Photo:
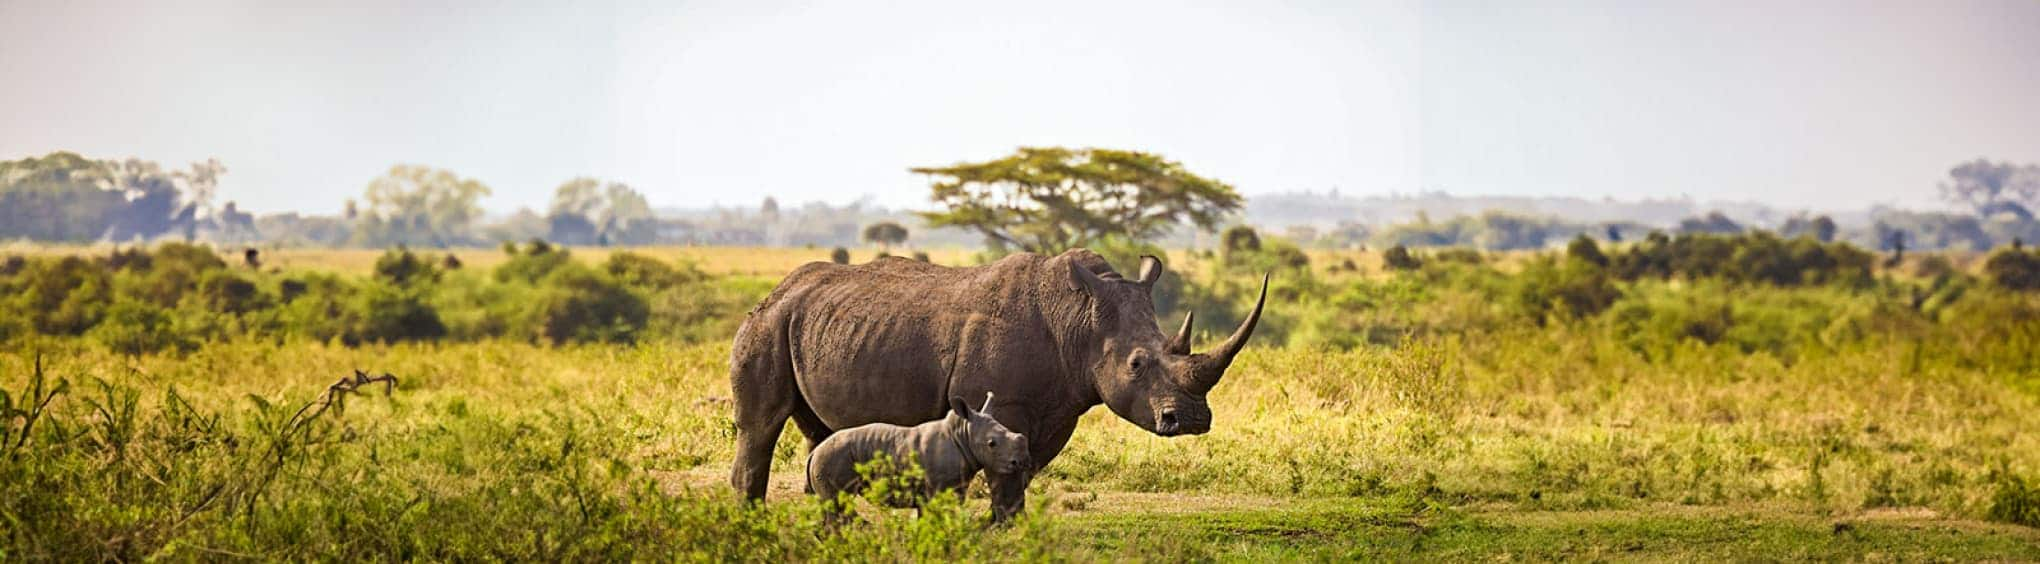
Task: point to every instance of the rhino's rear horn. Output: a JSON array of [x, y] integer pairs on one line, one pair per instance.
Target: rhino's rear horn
[[1207, 368], [1181, 344]]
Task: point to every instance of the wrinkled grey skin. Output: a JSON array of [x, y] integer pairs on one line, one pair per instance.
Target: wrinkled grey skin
[[950, 450], [838, 346]]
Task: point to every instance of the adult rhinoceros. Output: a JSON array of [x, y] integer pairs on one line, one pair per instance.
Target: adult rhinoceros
[[836, 346]]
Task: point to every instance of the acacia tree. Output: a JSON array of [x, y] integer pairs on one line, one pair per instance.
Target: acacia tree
[[1047, 199], [885, 234]]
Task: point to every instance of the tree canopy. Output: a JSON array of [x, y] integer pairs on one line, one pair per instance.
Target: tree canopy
[[419, 206], [586, 211], [1993, 187], [885, 233], [66, 197], [1047, 199]]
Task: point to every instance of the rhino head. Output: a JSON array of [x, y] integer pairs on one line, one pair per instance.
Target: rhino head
[[1145, 377]]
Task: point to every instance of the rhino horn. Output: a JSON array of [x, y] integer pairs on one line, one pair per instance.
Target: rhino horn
[[1181, 344], [1207, 368]]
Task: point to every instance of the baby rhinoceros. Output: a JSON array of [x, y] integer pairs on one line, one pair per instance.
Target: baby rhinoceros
[[950, 451]]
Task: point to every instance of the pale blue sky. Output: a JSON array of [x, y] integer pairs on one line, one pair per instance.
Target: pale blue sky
[[1827, 105]]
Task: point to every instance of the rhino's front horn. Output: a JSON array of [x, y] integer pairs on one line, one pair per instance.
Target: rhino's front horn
[[1207, 368]]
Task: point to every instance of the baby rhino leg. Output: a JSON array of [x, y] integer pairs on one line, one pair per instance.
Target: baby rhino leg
[[1009, 495]]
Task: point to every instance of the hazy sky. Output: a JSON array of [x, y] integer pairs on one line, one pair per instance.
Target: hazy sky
[[1803, 104]]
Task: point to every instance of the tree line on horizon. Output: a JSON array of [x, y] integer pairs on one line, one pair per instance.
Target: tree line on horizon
[[1039, 199]]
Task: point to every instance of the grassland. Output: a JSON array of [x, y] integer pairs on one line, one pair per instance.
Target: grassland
[[1865, 437]]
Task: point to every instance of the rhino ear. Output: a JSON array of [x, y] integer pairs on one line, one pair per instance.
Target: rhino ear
[[1083, 279], [1150, 270], [957, 405]]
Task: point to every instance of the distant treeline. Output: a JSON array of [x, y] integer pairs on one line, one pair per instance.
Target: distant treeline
[[64, 197], [1502, 231], [69, 198]]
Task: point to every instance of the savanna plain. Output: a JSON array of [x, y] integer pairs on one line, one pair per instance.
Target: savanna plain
[[1699, 398]]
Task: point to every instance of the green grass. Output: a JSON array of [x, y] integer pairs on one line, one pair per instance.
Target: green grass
[[1531, 446], [1425, 415], [1389, 529]]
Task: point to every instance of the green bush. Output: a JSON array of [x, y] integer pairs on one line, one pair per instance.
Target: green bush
[[322, 309], [1459, 255], [63, 296], [646, 272], [402, 267], [839, 255], [2014, 269], [1567, 289], [531, 264], [226, 292], [1238, 239], [136, 328], [579, 305], [1755, 257], [1399, 258], [386, 313], [197, 258], [1583, 248]]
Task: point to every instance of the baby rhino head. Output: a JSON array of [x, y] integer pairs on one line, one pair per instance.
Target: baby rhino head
[[997, 449]]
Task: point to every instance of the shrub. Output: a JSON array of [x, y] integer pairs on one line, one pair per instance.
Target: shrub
[[62, 296], [2014, 269], [383, 312], [1584, 249], [134, 327], [402, 267], [320, 307], [839, 255], [921, 256], [1239, 238], [1756, 257], [1275, 254], [1569, 289], [195, 257], [533, 263], [133, 258], [1399, 258], [577, 304], [226, 292], [1459, 255], [646, 272]]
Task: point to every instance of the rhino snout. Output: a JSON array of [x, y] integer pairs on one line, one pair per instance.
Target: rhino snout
[[1171, 422]]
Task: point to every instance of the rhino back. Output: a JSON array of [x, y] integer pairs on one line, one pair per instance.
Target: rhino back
[[887, 341]]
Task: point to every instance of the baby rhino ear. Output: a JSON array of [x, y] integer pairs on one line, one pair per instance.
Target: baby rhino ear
[[956, 404]]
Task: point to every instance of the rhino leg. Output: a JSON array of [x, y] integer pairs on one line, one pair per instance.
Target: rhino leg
[[810, 426], [762, 386], [1009, 496]]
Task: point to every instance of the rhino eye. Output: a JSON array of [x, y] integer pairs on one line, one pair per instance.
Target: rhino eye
[[992, 443]]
